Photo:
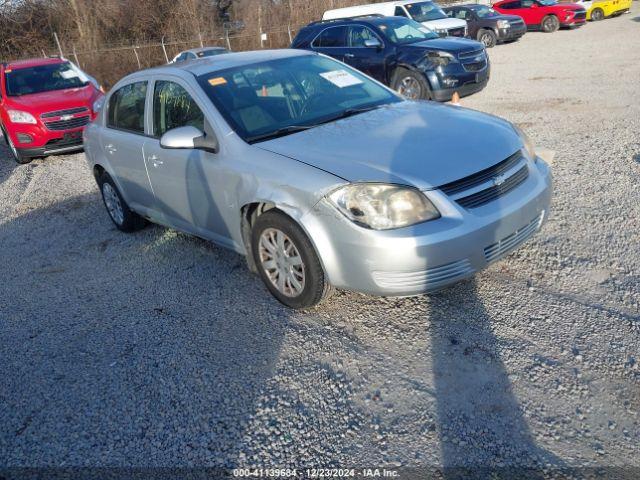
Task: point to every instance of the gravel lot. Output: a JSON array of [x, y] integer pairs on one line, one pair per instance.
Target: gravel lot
[[157, 349]]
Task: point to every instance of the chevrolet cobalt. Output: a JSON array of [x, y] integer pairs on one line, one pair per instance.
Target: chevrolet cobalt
[[321, 176]]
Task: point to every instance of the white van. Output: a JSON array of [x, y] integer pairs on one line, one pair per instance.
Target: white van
[[426, 12]]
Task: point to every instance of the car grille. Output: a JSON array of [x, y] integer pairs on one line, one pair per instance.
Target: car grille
[[474, 60], [456, 32], [60, 113], [425, 279], [507, 244], [516, 23], [76, 122], [465, 193], [580, 15]]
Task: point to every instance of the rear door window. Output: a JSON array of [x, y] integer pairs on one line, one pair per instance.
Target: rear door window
[[126, 108], [510, 5], [333, 37]]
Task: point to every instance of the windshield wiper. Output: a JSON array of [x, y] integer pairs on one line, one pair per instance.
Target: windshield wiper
[[281, 132]]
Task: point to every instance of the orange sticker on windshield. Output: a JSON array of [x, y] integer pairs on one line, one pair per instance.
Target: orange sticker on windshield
[[217, 81]]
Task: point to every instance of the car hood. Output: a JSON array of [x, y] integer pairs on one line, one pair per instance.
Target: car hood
[[448, 44], [568, 6], [445, 23], [511, 18], [422, 144], [55, 100]]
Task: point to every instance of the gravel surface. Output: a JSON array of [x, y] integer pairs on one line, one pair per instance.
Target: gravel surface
[[158, 349]]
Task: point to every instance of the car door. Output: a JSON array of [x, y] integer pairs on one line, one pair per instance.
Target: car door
[[122, 141], [369, 60], [181, 179], [332, 41], [533, 11]]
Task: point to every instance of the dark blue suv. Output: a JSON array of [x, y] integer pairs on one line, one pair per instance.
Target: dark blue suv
[[402, 54]]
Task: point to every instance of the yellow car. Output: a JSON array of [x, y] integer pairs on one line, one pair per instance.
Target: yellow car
[[599, 9]]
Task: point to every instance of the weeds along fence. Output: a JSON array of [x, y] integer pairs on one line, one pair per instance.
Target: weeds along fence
[[264, 28]]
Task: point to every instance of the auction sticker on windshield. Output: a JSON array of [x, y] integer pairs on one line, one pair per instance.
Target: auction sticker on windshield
[[341, 78]]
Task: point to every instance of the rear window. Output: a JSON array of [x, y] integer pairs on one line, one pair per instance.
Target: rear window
[[331, 37], [44, 78], [126, 108]]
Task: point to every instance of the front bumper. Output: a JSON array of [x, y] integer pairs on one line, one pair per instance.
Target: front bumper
[[511, 33], [468, 82], [431, 255], [39, 141]]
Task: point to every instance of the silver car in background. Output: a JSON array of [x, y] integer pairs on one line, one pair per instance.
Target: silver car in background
[[321, 176]]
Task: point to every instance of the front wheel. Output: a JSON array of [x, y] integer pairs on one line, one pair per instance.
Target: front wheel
[[287, 261], [411, 85], [597, 14], [17, 156], [488, 38], [550, 24]]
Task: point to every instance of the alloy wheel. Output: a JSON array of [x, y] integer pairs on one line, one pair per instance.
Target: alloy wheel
[[486, 39], [13, 148], [113, 203], [281, 261], [410, 88]]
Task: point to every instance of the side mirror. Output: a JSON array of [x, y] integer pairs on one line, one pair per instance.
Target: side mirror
[[372, 43], [189, 138]]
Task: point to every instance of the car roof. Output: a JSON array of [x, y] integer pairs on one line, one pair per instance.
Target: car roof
[[33, 62], [206, 65]]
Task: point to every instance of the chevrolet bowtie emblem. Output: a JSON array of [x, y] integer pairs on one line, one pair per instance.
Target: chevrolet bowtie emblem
[[499, 180], [66, 117]]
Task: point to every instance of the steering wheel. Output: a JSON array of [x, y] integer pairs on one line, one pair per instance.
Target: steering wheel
[[311, 103]]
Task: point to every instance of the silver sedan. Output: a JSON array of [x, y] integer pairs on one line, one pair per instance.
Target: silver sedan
[[321, 176]]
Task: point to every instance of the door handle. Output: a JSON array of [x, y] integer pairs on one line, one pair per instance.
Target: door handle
[[155, 161], [110, 148], [349, 55]]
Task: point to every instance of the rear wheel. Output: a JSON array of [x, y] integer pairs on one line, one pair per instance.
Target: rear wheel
[[411, 85], [287, 261], [121, 215], [17, 156], [550, 24], [488, 38], [597, 14]]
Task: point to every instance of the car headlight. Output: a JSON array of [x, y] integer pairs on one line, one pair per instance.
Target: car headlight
[[503, 24], [383, 207], [98, 104], [529, 147], [18, 116], [438, 59]]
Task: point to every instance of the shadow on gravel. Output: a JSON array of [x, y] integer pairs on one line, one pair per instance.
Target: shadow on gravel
[[482, 426], [149, 349], [635, 19]]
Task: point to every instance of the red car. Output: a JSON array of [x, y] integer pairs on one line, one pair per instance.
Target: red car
[[545, 15], [44, 105]]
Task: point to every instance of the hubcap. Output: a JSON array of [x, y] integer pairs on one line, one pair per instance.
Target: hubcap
[[282, 262], [486, 39], [112, 201], [409, 88]]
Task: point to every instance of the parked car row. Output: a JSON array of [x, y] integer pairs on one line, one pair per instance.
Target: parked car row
[[269, 153]]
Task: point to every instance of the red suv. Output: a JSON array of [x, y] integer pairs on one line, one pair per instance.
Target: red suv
[[44, 106], [545, 15]]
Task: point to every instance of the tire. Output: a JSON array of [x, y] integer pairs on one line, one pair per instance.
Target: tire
[[121, 215], [17, 156], [597, 14], [411, 85], [268, 248], [550, 24], [488, 38]]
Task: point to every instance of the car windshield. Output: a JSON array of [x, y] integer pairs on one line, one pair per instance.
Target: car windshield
[[425, 11], [211, 53], [44, 78], [485, 12], [403, 30], [278, 97]]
